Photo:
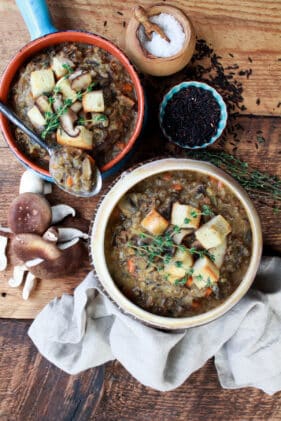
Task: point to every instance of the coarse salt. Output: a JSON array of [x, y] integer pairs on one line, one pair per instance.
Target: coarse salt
[[158, 46]]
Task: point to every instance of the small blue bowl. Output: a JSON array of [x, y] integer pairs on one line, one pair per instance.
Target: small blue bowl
[[216, 95]]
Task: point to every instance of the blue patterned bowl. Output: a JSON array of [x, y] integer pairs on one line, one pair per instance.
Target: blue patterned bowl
[[216, 95]]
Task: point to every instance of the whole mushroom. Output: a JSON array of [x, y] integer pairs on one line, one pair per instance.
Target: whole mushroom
[[29, 213]]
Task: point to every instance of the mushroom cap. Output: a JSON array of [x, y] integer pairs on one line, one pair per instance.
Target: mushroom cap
[[25, 247], [29, 213], [70, 260]]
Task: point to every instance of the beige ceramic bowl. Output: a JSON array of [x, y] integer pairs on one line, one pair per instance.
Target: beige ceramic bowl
[[106, 206], [155, 65]]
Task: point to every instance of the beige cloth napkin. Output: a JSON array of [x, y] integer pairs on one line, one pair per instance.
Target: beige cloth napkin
[[76, 333]]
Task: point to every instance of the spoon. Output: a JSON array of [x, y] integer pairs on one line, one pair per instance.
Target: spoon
[[60, 156]]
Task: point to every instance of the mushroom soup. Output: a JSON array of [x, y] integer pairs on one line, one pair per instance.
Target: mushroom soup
[[178, 243], [76, 95]]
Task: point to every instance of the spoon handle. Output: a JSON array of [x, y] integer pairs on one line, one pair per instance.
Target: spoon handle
[[17, 122]]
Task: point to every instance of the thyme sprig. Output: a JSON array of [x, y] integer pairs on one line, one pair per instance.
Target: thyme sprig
[[260, 185], [53, 118], [159, 249]]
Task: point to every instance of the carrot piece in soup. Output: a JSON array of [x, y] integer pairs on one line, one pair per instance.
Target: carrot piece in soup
[[177, 187], [208, 292], [131, 266], [189, 282]]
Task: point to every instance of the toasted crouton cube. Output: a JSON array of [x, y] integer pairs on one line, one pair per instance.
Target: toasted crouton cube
[[154, 223], [213, 232], [58, 65], [185, 216], [205, 273], [42, 81], [93, 102], [65, 88], [179, 265], [218, 253], [36, 118], [84, 140]]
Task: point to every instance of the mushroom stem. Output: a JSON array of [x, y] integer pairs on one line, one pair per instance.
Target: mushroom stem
[[29, 285], [67, 234], [59, 212], [32, 183], [3, 257], [33, 262], [6, 230], [18, 275], [64, 246]]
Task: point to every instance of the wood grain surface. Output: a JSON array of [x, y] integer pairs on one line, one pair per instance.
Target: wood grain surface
[[247, 33]]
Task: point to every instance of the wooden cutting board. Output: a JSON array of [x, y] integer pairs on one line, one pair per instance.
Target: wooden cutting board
[[240, 32]]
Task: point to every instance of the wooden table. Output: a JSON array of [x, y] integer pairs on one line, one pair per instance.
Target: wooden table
[[243, 33]]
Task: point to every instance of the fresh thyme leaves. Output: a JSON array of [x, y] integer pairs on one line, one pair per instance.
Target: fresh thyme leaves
[[184, 280], [158, 250], [206, 211], [261, 186], [69, 70], [53, 119]]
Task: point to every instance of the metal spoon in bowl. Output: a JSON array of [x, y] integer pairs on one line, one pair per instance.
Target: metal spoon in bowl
[[61, 157]]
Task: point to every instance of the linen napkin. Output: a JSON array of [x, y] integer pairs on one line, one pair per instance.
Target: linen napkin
[[87, 330]]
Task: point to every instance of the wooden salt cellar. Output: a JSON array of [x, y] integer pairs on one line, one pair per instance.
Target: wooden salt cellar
[[159, 66]]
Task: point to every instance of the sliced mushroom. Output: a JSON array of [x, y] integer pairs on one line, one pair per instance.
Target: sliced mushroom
[[26, 247], [81, 81], [128, 204], [179, 236], [70, 260], [3, 257], [33, 262], [18, 276], [29, 212], [29, 285], [68, 244], [59, 212], [32, 183], [52, 234], [76, 106], [67, 119], [67, 234], [43, 104]]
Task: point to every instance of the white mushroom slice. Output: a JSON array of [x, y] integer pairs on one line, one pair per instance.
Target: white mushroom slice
[[33, 262], [59, 212], [32, 183], [5, 229], [81, 82], [3, 257], [67, 234], [179, 236], [64, 246], [75, 74], [76, 106], [29, 285], [18, 275], [51, 234], [43, 104]]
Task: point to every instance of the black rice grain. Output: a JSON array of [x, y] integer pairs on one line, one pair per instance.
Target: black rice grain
[[191, 117]]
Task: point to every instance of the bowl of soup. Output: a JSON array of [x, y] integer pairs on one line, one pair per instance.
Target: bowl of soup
[[175, 243], [74, 89]]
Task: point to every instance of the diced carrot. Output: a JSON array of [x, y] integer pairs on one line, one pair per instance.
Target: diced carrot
[[69, 181], [220, 184], [177, 187], [208, 292], [167, 176], [189, 282], [131, 266], [195, 304], [127, 87], [213, 179], [120, 145]]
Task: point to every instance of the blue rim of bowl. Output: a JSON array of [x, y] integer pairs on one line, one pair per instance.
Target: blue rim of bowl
[[216, 95]]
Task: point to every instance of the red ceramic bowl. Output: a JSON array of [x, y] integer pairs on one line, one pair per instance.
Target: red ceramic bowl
[[49, 40]]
